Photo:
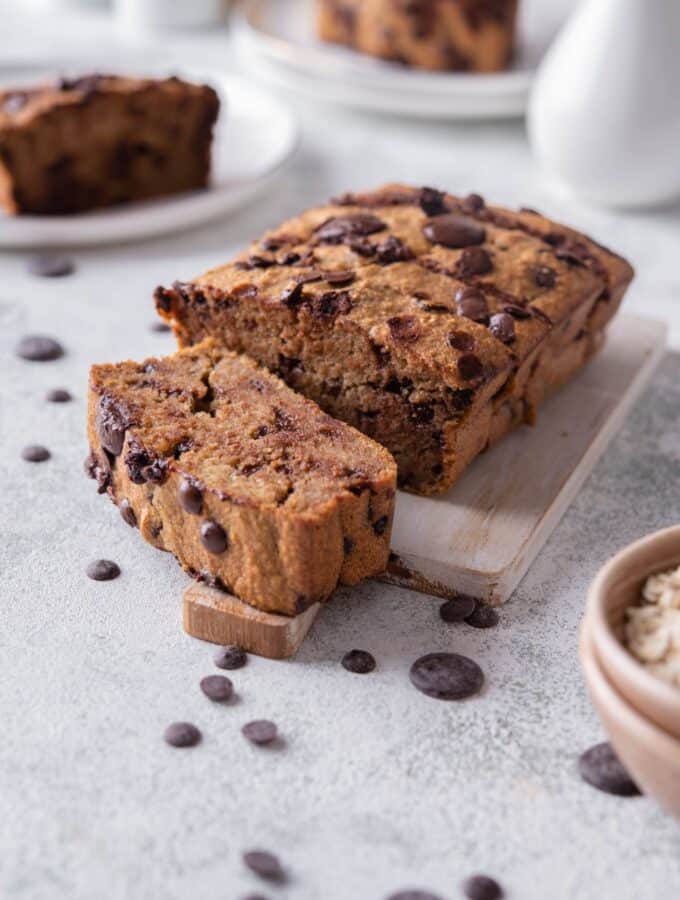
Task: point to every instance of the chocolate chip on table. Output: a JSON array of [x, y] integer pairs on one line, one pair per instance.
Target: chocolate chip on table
[[230, 657], [472, 304], [160, 327], [127, 513], [601, 768], [190, 497], [481, 887], [102, 570], [260, 731], [457, 608], [39, 348], [502, 326], [182, 734], [58, 395], [446, 676], [414, 895], [213, 537], [452, 230], [469, 366], [361, 662], [217, 687], [50, 266], [484, 616], [264, 865], [35, 453]]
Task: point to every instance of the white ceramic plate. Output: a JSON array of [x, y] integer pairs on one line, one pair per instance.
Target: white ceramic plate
[[255, 136], [277, 39]]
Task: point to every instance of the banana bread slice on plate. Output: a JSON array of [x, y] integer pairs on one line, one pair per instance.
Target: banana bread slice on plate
[[252, 487], [432, 323]]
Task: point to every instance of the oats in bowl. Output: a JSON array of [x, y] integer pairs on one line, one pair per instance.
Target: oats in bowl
[[652, 627]]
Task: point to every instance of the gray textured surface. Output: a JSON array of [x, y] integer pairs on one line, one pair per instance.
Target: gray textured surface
[[377, 787]]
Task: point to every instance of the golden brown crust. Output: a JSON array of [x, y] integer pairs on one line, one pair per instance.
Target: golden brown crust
[[251, 486], [432, 323], [453, 35], [100, 140]]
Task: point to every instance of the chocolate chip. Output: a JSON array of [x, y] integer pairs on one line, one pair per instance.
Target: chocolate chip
[[127, 513], [49, 266], [213, 537], [260, 731], [544, 276], [292, 295], [472, 304], [58, 395], [39, 348], [190, 497], [483, 617], [343, 277], [473, 261], [347, 545], [380, 525], [160, 327], [432, 201], [601, 768], [35, 453], [502, 326], [405, 329], [102, 570], [414, 895], [110, 425], [446, 676], [452, 230], [331, 303], [474, 202], [181, 734], [460, 340], [481, 887], [516, 311], [217, 687], [469, 366], [264, 864], [457, 608], [230, 657], [358, 661], [335, 230], [393, 250]]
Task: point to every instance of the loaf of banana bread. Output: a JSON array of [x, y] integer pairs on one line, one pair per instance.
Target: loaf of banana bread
[[432, 323], [100, 140], [252, 487], [455, 35]]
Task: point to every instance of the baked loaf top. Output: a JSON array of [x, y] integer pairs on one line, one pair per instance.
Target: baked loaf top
[[461, 290]]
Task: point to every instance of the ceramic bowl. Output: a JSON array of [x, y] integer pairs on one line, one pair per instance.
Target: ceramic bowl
[[651, 755], [616, 586]]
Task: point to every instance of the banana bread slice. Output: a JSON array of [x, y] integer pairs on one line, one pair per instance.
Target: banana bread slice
[[100, 140], [251, 486], [454, 35], [432, 323]]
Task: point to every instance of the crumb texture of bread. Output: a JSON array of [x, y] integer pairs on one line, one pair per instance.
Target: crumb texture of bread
[[433, 323], [251, 486], [448, 35], [102, 140]]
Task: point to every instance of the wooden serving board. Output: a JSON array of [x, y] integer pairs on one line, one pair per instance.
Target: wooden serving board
[[482, 536]]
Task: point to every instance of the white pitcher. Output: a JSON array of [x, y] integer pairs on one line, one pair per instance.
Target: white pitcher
[[604, 114]]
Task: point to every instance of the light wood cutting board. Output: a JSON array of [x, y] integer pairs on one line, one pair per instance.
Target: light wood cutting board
[[482, 536]]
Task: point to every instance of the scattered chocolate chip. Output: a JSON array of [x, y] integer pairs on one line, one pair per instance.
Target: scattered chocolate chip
[[544, 276], [446, 676], [39, 348], [472, 304], [49, 266], [460, 340], [452, 230], [405, 329], [344, 277], [516, 311], [483, 617], [457, 608], [502, 326], [35, 453], [414, 895], [601, 768], [473, 261], [230, 657], [190, 497], [335, 230], [358, 661], [127, 512], [160, 327], [432, 201], [213, 537], [260, 731], [469, 366], [380, 525], [481, 887], [58, 395], [474, 202], [181, 734], [264, 864], [102, 570], [217, 687]]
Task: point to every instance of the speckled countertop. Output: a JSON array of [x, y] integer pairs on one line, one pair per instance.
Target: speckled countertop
[[377, 787]]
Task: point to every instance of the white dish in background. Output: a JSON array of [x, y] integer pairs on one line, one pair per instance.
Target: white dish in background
[[254, 137], [277, 40]]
